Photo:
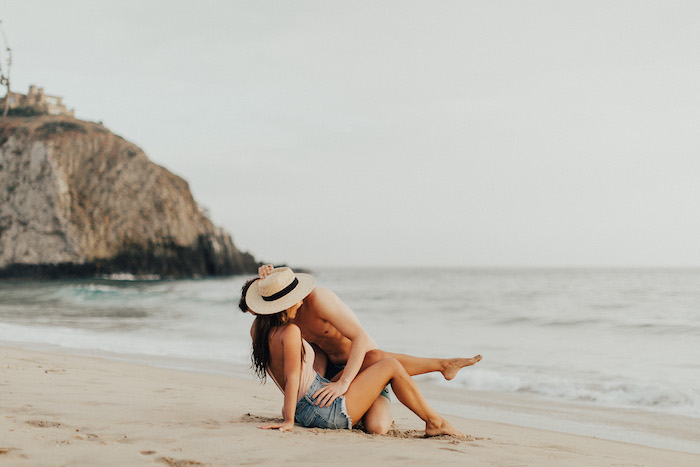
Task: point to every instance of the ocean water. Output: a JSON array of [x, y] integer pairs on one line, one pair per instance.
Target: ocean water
[[625, 339]]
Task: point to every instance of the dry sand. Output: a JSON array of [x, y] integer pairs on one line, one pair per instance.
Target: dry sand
[[67, 410]]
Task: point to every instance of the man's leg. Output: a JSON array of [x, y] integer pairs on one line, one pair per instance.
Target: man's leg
[[378, 419], [419, 365]]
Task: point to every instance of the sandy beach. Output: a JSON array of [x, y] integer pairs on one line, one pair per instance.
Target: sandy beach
[[70, 410]]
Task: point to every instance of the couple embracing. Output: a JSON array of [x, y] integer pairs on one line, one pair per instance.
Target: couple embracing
[[329, 369]]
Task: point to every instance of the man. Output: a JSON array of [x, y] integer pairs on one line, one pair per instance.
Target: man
[[329, 324]]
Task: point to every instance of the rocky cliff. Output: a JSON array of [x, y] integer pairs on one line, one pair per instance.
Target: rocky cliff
[[77, 200]]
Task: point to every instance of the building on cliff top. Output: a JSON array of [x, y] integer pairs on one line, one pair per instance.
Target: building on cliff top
[[37, 101]]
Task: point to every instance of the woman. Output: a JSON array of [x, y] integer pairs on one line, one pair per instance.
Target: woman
[[280, 351]]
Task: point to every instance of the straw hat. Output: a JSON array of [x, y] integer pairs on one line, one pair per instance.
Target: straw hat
[[278, 291]]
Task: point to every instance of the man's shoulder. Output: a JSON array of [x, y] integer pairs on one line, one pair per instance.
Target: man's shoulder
[[320, 300], [318, 294], [324, 304]]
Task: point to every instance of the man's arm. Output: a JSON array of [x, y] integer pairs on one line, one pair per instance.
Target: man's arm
[[330, 308]]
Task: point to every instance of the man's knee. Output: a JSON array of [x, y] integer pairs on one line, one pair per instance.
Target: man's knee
[[373, 356]]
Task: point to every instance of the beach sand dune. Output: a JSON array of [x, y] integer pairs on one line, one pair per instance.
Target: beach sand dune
[[67, 410]]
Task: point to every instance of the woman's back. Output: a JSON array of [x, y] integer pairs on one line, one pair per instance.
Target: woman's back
[[290, 334]]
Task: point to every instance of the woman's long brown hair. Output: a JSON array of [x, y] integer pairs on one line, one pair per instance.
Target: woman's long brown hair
[[262, 328]]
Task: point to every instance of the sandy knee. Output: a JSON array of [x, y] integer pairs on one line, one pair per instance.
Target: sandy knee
[[378, 419]]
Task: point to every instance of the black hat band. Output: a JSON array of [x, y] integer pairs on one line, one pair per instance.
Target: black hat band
[[281, 293]]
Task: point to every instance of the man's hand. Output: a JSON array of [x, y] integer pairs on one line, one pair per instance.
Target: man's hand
[[284, 426], [265, 270], [330, 392]]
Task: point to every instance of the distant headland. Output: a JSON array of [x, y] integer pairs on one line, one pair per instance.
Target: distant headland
[[80, 201]]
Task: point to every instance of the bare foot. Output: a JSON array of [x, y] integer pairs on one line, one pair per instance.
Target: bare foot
[[453, 365], [441, 427]]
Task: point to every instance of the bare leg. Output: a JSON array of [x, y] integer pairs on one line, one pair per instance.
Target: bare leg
[[369, 383], [378, 418], [419, 365]]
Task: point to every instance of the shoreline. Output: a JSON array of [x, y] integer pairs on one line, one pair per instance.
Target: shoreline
[[627, 425], [78, 410]]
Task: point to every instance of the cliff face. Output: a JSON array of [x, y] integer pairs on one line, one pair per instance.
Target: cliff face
[[77, 200]]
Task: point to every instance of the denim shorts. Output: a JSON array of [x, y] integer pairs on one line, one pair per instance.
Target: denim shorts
[[335, 416]]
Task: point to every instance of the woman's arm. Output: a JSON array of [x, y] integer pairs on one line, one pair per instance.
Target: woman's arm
[[291, 343]]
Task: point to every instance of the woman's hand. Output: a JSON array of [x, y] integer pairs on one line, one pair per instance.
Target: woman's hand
[[284, 426]]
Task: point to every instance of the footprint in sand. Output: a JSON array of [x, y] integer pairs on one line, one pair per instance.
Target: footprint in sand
[[210, 424], [249, 417], [179, 462], [89, 437], [43, 424], [10, 453]]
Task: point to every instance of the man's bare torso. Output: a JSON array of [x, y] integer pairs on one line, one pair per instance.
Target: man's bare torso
[[322, 333]]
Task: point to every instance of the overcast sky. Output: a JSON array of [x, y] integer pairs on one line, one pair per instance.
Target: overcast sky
[[457, 133]]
